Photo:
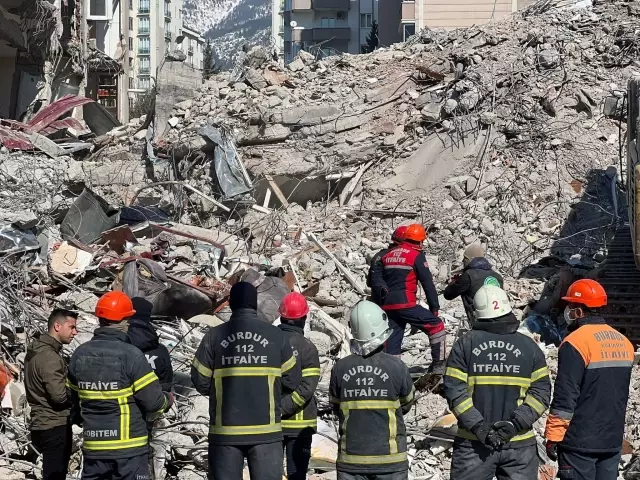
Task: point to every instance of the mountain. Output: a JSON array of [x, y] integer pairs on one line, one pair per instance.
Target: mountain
[[230, 24]]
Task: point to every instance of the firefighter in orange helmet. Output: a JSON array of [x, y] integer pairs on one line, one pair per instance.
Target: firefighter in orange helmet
[[118, 392], [375, 269], [586, 421]]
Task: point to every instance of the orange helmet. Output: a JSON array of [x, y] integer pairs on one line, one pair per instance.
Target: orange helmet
[[415, 232], [586, 292], [399, 233], [114, 306]]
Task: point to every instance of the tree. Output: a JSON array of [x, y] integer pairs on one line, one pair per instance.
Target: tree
[[208, 64], [372, 39]]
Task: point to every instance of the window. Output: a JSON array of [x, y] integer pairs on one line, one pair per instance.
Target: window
[[144, 6], [167, 9], [130, 24], [366, 20], [130, 4], [99, 10], [144, 83], [130, 44], [130, 63], [144, 45], [144, 25], [408, 29], [328, 22]]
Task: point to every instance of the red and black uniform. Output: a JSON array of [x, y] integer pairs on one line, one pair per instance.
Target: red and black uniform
[[403, 266], [587, 415]]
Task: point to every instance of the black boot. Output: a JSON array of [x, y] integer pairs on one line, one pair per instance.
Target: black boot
[[437, 367]]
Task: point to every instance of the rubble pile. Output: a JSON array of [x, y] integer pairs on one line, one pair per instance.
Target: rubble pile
[[506, 134]]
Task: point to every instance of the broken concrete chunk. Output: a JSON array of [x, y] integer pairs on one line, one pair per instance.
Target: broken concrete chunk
[[457, 192], [184, 105], [296, 65], [255, 79], [549, 58], [173, 122], [431, 112]]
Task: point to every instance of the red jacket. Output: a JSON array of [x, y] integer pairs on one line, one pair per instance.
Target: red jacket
[[397, 283]]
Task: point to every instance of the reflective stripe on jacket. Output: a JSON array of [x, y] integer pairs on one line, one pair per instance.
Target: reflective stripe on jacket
[[299, 410], [370, 395], [242, 366], [116, 389], [591, 389], [494, 373]]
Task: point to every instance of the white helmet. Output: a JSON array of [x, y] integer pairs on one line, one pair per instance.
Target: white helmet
[[490, 302], [370, 327]]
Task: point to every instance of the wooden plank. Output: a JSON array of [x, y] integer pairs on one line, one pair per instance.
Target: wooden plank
[[345, 271], [346, 193], [277, 191], [267, 197]]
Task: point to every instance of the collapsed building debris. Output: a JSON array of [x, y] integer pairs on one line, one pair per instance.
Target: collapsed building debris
[[292, 178]]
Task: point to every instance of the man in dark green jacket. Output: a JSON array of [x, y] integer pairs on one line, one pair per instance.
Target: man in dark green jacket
[[45, 376]]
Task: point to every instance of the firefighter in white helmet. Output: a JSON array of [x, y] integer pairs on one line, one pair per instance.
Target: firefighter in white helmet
[[373, 390], [497, 385]]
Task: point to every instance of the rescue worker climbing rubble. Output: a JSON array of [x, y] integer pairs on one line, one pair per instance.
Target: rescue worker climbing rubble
[[242, 366], [403, 266], [117, 392], [476, 272], [586, 421], [370, 391], [375, 268], [497, 385], [299, 411]]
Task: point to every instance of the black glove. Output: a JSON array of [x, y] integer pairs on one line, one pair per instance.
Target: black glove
[[552, 450], [501, 433], [481, 431]]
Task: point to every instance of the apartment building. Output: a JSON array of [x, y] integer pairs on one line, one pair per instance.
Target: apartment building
[[322, 27], [193, 47], [451, 14], [153, 27]]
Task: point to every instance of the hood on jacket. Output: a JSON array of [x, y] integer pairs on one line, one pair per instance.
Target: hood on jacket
[[39, 345], [141, 333], [243, 295], [479, 263], [503, 325]]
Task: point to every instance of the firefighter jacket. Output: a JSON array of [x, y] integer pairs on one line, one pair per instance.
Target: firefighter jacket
[[494, 373], [116, 389], [592, 388], [44, 381], [403, 266], [375, 271], [475, 275], [370, 395], [298, 406], [243, 366]]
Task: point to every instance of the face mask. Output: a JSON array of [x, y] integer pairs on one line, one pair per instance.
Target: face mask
[[567, 315]]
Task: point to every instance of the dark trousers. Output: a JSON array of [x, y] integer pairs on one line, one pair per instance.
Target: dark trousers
[[226, 462], [404, 475], [587, 466], [298, 454], [423, 320], [479, 462], [55, 446], [133, 468]]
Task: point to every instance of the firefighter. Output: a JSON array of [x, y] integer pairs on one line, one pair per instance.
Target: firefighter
[[299, 411], [242, 366], [476, 272], [497, 385], [375, 269], [373, 390], [403, 266], [117, 392], [586, 421]]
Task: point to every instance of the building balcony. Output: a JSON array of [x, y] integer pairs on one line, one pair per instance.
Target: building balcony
[[143, 11], [167, 35], [281, 30], [144, 51], [144, 70], [167, 15], [339, 5], [143, 31], [320, 34], [190, 49]]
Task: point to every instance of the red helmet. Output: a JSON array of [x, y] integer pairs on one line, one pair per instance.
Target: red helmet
[[415, 232], [114, 306], [294, 305], [399, 233], [586, 292]]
